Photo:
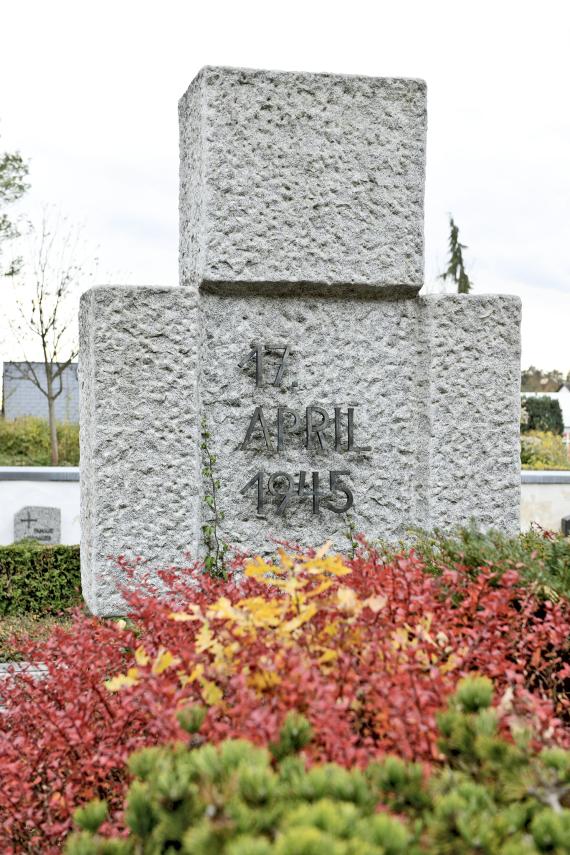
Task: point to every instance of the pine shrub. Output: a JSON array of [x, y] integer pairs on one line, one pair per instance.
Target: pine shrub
[[494, 793]]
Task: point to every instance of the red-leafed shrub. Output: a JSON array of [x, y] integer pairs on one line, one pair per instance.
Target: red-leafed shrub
[[368, 650]]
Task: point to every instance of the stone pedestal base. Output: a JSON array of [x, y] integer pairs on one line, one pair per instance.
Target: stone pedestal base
[[414, 401]]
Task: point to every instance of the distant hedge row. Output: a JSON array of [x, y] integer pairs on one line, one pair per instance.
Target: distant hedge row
[[25, 442], [542, 413], [38, 579]]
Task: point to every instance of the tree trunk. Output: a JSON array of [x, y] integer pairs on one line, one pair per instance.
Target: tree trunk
[[52, 423]]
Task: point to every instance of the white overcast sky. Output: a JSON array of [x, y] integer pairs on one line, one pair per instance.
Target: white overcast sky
[[89, 90]]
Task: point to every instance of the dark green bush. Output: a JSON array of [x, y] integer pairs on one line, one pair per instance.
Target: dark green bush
[[38, 579], [493, 795], [25, 442], [544, 414]]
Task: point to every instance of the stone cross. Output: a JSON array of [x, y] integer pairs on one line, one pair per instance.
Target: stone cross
[[296, 351]]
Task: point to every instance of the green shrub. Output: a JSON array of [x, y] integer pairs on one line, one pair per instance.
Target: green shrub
[[25, 442], [541, 561], [492, 794], [544, 414], [38, 579], [541, 450]]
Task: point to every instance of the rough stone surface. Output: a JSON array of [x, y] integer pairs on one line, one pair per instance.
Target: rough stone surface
[[39, 522], [308, 178], [139, 433], [301, 223], [434, 385], [433, 381]]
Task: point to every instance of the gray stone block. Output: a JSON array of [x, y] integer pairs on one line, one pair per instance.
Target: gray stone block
[[302, 178], [140, 474], [328, 401], [433, 384], [39, 522]]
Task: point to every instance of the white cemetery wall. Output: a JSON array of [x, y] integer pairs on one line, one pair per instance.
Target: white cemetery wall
[[545, 499], [34, 488]]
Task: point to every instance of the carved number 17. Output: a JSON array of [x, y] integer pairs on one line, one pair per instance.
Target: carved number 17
[[258, 352]]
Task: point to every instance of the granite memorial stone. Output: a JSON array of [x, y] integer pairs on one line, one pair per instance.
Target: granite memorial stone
[[331, 394], [40, 523]]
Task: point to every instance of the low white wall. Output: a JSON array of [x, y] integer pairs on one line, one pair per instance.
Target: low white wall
[[545, 499], [19, 488]]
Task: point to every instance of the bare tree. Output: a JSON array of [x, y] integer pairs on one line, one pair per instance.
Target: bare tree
[[46, 296]]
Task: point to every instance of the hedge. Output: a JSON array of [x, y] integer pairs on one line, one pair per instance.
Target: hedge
[[38, 579], [544, 414]]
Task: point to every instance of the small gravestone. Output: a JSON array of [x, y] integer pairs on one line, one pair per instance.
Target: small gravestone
[[298, 353], [39, 523]]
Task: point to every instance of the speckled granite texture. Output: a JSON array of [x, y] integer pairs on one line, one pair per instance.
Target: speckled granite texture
[[433, 383], [293, 177], [301, 224], [140, 470]]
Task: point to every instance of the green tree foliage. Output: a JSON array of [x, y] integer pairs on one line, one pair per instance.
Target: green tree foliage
[[493, 794], [535, 380], [456, 267], [544, 414], [13, 185], [543, 450]]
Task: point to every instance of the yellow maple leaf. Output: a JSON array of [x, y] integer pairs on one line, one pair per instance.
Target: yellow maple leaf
[[141, 656], [262, 680], [263, 612], [195, 674], [211, 693], [328, 656], [121, 681], [347, 600], [258, 568], [164, 659], [453, 662], [324, 586], [333, 565], [184, 616], [299, 620], [376, 604], [207, 641], [223, 609]]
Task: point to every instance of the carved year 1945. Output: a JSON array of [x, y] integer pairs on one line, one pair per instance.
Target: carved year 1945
[[283, 487]]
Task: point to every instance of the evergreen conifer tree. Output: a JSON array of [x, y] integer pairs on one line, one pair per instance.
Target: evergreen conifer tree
[[456, 268]]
